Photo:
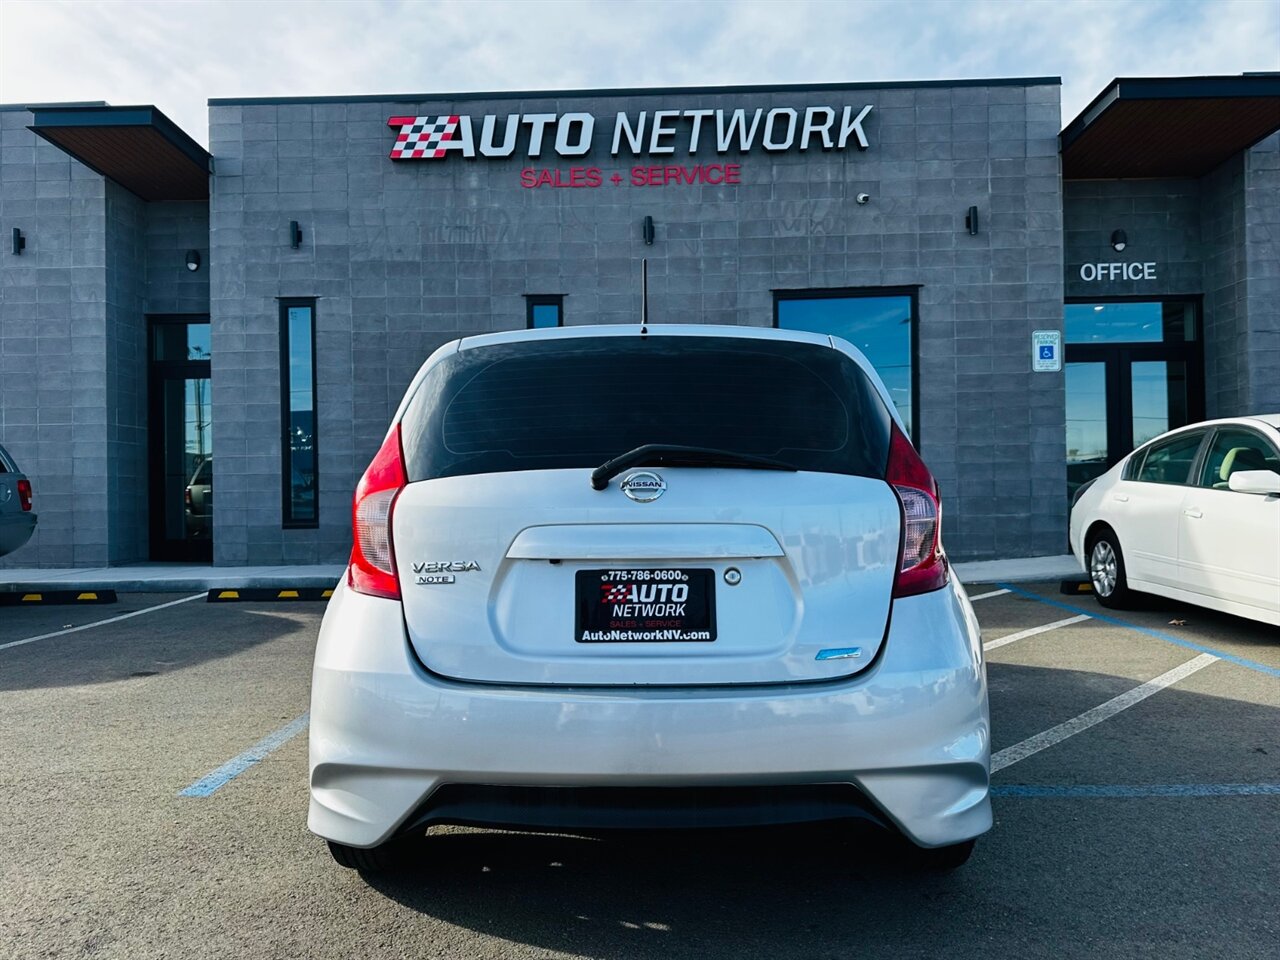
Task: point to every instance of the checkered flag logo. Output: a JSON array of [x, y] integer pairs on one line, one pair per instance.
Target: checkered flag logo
[[615, 593], [420, 138]]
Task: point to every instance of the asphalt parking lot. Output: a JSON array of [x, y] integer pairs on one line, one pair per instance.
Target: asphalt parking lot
[[153, 777]]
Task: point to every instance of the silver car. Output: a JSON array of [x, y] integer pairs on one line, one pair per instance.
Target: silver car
[[198, 498], [17, 519], [688, 578]]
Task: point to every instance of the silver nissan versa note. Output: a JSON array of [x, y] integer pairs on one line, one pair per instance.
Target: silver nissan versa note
[[683, 577]]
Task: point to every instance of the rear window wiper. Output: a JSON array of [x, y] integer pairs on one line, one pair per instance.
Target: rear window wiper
[[673, 455]]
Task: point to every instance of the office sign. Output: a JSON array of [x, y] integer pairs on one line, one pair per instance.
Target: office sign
[[1101, 272]]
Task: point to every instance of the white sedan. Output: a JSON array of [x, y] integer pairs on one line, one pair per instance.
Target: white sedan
[[1192, 515]]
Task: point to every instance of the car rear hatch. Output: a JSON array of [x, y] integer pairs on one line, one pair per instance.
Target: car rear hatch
[[514, 569]]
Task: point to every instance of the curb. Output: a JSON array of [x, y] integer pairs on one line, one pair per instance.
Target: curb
[[33, 598], [258, 594], [167, 585]]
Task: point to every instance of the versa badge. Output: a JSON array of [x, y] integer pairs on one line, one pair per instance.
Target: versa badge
[[442, 571]]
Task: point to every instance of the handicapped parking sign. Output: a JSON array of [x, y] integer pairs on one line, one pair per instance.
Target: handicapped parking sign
[[1046, 351]]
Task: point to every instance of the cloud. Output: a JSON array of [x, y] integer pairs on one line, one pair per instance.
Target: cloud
[[178, 54]]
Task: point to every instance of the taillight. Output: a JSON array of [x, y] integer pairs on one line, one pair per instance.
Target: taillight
[[922, 566], [373, 563], [24, 493]]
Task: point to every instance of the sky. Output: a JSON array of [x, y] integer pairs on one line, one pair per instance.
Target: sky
[[177, 54]]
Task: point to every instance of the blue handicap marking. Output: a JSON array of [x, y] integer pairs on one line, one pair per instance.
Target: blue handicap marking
[[1046, 351]]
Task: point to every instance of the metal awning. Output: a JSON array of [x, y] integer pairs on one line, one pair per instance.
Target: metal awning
[[1169, 127], [137, 147]]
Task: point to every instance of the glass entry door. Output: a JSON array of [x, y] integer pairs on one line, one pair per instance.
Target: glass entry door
[[1133, 371], [1088, 445], [181, 441]]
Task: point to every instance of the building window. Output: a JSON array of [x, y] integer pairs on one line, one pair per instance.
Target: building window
[[878, 321], [178, 340], [1129, 321], [298, 412], [544, 310]]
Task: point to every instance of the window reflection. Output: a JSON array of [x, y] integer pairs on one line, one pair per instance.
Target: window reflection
[[1170, 461], [544, 310], [180, 341], [187, 453], [1086, 385], [546, 315], [299, 454], [1159, 398], [1150, 322], [878, 326], [198, 498]]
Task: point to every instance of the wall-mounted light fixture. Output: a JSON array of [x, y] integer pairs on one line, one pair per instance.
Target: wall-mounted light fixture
[[19, 242], [193, 260], [1118, 240], [971, 221], [646, 231], [295, 234]]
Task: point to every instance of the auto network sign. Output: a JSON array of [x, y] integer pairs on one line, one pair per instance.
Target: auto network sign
[[657, 134]]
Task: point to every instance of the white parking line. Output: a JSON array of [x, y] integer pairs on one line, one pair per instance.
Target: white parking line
[[1023, 634], [102, 623], [1041, 741], [988, 596]]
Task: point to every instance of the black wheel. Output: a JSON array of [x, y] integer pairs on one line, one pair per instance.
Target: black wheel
[[945, 858], [371, 859], [1106, 570]]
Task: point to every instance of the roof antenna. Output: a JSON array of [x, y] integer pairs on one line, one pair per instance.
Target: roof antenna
[[644, 296]]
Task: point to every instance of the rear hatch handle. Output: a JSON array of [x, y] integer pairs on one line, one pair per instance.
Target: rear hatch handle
[[673, 455]]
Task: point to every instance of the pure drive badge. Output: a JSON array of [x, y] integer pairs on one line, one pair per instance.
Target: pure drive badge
[[644, 487]]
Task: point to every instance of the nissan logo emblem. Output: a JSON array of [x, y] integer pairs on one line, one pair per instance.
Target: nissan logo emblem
[[644, 487]]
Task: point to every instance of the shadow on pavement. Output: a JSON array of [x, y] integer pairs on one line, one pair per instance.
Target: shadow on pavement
[[768, 893], [153, 644], [1199, 624]]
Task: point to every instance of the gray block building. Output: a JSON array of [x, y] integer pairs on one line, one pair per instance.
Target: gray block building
[[1039, 299]]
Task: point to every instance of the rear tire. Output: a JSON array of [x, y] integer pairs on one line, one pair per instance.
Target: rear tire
[[1106, 570], [369, 860], [942, 859]]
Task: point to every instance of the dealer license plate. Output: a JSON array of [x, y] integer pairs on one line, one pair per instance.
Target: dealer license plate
[[645, 605]]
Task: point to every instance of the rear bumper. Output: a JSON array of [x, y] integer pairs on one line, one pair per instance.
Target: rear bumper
[[908, 737], [640, 808], [15, 530]]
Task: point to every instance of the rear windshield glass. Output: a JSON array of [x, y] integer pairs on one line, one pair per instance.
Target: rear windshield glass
[[577, 403]]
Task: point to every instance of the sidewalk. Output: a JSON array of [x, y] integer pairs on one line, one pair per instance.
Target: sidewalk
[[1027, 569], [161, 577]]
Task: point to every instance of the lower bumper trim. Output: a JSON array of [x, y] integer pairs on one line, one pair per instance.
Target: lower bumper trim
[[632, 808]]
